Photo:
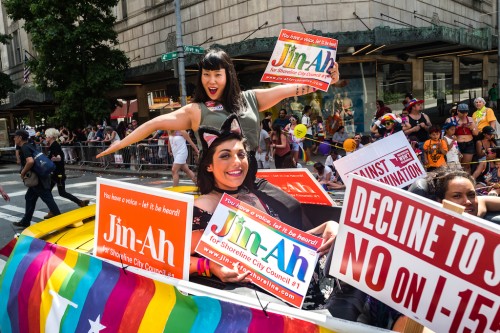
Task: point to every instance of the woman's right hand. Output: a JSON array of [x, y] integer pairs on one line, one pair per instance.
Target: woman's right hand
[[227, 274], [115, 146]]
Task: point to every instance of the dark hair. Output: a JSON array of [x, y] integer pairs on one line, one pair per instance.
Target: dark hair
[[319, 119], [434, 128], [205, 180], [439, 181], [277, 130], [267, 114], [296, 118], [306, 109], [320, 167], [231, 96], [380, 102]]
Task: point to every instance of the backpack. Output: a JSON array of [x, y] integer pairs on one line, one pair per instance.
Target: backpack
[[43, 166]]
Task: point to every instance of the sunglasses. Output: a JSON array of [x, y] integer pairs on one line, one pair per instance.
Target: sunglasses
[[387, 123]]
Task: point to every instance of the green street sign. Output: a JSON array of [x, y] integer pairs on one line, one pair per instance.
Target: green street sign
[[168, 56], [194, 49]]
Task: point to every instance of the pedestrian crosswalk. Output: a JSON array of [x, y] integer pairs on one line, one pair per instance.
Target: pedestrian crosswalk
[[11, 213]]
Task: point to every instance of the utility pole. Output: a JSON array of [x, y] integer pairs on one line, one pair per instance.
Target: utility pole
[[180, 52]]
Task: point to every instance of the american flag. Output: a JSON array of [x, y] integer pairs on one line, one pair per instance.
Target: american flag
[[27, 71]]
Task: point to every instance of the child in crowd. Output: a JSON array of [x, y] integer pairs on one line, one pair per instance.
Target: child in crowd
[[435, 149], [453, 156], [492, 179]]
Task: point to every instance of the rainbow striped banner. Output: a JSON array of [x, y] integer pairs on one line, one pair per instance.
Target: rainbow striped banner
[[48, 288]]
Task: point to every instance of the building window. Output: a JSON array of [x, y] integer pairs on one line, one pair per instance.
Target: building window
[[471, 78], [16, 47], [438, 86], [393, 82]]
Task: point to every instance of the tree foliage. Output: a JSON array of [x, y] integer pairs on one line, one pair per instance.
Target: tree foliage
[[6, 84], [75, 58]]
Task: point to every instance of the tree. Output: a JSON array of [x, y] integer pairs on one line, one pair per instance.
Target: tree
[[75, 58], [6, 84]]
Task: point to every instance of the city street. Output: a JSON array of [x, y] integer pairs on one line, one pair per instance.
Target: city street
[[80, 184]]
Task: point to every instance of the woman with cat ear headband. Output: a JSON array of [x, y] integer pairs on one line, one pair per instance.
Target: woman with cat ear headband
[[224, 168], [217, 95]]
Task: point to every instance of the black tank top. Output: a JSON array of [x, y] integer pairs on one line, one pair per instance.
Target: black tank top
[[422, 134]]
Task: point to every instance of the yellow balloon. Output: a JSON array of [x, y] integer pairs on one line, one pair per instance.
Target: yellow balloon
[[350, 145], [300, 131]]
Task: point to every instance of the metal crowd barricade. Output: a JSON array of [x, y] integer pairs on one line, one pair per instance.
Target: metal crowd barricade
[[140, 156]]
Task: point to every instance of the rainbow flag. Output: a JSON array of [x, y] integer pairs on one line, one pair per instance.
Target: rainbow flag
[[48, 288]]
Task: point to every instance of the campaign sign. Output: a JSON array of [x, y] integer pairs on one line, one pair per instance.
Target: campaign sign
[[391, 161], [281, 259], [437, 267], [144, 227], [299, 183], [301, 58]]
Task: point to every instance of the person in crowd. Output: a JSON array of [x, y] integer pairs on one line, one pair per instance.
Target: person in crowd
[[381, 109], [217, 94], [296, 144], [224, 168], [435, 149], [91, 131], [493, 96], [331, 158], [453, 155], [178, 149], [309, 124], [319, 134], [263, 152], [121, 129], [465, 131], [4, 194], [282, 119], [280, 146], [67, 139], [454, 110], [340, 136], [42, 190], [58, 176], [325, 177], [111, 136], [418, 122], [492, 180], [483, 116], [266, 122], [459, 187], [386, 125], [485, 151]]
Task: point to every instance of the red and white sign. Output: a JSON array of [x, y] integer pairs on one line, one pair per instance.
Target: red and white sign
[[299, 183], [144, 227], [437, 267], [391, 161], [301, 58], [281, 258]]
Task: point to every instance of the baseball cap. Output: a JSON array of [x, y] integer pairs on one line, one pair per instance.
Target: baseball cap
[[488, 130], [463, 108], [22, 133]]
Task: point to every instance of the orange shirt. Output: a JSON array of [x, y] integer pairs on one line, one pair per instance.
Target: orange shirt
[[435, 158]]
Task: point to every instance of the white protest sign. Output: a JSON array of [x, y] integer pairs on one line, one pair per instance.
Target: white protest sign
[[281, 258], [437, 267], [301, 58], [391, 161]]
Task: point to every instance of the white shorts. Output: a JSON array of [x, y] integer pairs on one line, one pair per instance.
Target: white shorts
[[180, 158]]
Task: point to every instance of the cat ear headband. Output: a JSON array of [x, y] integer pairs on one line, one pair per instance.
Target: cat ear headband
[[209, 134]]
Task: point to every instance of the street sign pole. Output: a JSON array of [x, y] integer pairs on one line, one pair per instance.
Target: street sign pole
[[180, 53]]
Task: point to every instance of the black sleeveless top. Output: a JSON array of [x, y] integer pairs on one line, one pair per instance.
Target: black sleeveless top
[[422, 134]]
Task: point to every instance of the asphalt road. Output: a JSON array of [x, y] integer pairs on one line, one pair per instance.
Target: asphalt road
[[80, 184]]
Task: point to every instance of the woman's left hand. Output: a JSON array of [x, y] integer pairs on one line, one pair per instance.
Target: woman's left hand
[[329, 233], [334, 73]]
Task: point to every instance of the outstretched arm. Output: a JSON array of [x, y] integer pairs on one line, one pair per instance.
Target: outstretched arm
[[268, 98], [185, 118]]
